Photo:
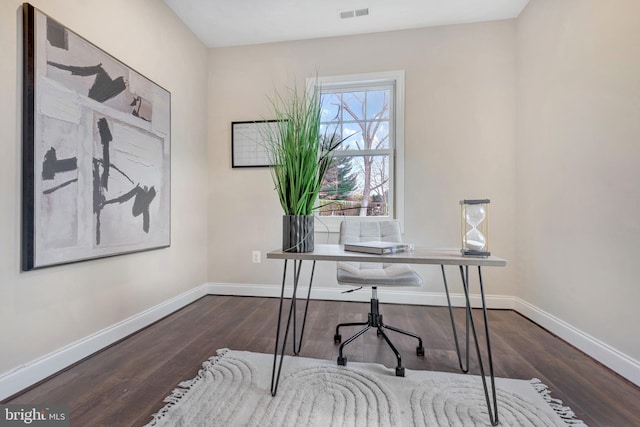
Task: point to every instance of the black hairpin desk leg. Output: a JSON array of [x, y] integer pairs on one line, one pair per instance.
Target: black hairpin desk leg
[[463, 367], [464, 274], [493, 413], [297, 268]]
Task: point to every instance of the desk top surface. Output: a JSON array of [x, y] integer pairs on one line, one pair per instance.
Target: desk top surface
[[416, 256]]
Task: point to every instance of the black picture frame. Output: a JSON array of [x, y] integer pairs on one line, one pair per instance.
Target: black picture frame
[[96, 151], [248, 146]]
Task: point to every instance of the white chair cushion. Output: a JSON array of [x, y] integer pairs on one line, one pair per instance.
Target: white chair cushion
[[374, 273], [352, 231]]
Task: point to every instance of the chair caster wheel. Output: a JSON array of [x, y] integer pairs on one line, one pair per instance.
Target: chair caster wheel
[[378, 332], [399, 372], [420, 351], [342, 361], [337, 338]]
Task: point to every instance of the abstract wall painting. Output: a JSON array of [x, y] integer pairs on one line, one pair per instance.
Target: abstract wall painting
[[96, 151]]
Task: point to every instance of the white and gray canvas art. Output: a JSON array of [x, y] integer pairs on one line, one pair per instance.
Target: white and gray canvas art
[[101, 152]]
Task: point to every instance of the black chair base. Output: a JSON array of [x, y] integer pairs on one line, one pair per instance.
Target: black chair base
[[375, 321]]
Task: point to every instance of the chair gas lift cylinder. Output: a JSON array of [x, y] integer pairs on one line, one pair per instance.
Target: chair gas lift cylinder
[[474, 228]]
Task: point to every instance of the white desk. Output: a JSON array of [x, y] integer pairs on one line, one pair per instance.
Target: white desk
[[440, 257]]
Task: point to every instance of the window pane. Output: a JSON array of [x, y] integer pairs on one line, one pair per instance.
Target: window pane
[[353, 106], [377, 135], [379, 132], [356, 186], [378, 104], [328, 130], [330, 107], [353, 137]]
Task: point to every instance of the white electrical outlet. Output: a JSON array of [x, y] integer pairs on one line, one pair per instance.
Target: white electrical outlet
[[255, 257]]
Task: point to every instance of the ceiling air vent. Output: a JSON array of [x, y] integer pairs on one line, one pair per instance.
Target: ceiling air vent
[[344, 14], [347, 14]]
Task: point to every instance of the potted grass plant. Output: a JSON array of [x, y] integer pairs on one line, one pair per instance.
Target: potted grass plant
[[300, 156]]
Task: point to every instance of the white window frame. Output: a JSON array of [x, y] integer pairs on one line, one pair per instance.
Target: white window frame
[[396, 158]]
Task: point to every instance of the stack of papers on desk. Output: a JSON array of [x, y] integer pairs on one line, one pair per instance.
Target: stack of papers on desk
[[377, 247]]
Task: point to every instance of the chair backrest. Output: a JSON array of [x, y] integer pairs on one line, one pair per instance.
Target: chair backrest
[[374, 273], [353, 231]]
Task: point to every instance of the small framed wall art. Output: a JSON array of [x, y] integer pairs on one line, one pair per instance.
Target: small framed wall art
[[96, 150], [248, 145]]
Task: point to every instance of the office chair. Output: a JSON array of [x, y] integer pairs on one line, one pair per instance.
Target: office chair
[[374, 275]]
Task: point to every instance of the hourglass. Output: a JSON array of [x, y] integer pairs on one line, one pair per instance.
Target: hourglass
[[475, 227]]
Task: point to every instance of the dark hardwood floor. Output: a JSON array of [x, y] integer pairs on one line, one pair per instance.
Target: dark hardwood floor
[[125, 384]]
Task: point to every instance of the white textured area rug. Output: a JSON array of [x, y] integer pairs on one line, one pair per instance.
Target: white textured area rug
[[232, 389]]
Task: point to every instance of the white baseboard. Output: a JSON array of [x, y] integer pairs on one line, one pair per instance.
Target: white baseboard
[[18, 379], [396, 296], [602, 352]]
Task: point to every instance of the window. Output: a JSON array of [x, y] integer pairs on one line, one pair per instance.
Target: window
[[364, 179]]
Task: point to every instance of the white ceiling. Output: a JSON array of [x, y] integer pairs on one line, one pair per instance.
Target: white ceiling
[[220, 23]]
